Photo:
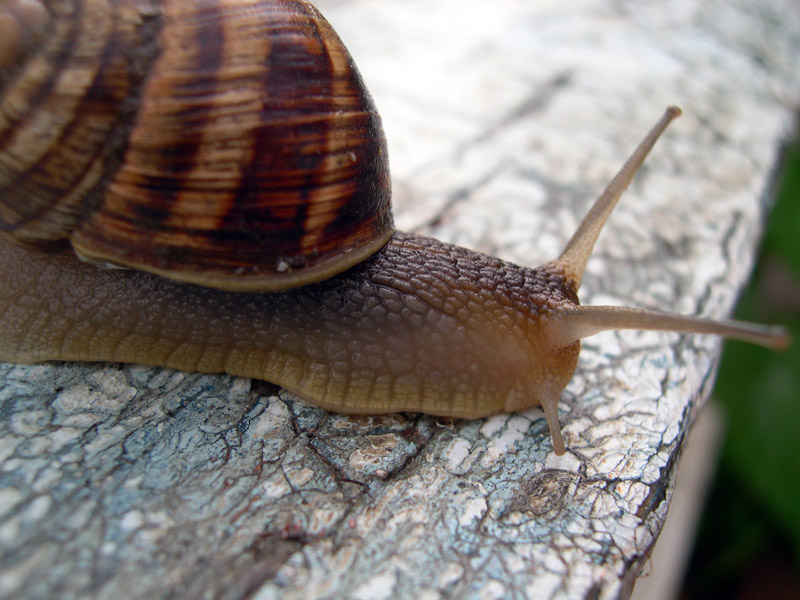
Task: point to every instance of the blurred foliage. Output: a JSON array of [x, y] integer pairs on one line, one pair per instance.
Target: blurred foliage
[[753, 513]]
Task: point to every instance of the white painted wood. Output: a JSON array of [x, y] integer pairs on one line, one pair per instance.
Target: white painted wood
[[504, 120]]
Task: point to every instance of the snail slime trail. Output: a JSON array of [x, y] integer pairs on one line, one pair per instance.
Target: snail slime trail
[[276, 180]]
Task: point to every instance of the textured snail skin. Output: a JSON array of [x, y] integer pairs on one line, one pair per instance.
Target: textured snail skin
[[421, 326]]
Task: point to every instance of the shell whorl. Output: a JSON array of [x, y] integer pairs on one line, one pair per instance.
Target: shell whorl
[[228, 143], [22, 23]]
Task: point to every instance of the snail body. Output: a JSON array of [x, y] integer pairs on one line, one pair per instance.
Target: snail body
[[215, 190], [395, 333]]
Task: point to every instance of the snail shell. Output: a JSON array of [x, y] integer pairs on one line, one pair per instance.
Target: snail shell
[[227, 143]]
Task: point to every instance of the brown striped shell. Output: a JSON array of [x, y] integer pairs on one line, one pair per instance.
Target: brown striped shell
[[228, 143]]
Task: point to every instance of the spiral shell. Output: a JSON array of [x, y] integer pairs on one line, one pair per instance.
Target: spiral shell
[[228, 143]]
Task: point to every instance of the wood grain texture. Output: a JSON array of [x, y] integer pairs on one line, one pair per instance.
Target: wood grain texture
[[151, 483]]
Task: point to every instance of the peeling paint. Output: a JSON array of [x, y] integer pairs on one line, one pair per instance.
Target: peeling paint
[[378, 587], [457, 453]]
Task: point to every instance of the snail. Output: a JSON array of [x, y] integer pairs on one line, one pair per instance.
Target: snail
[[227, 155]]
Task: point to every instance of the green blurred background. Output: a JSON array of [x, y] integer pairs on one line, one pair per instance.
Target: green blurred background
[[748, 543]]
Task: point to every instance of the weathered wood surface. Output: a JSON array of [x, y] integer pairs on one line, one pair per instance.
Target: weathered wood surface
[[504, 119]]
